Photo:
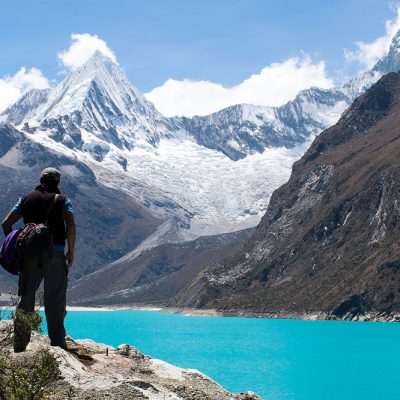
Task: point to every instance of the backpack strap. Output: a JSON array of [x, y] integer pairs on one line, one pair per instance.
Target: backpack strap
[[49, 211]]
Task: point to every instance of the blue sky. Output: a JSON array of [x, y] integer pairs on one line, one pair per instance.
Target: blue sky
[[221, 41]]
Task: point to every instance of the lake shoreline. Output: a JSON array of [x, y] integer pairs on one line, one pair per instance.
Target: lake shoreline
[[193, 312]]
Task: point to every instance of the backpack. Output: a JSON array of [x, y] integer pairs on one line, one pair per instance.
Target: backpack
[[34, 239], [8, 255]]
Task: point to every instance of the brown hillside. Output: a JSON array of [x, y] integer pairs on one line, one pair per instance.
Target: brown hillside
[[330, 239]]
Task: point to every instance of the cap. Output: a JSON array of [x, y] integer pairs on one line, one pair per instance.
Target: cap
[[50, 174]]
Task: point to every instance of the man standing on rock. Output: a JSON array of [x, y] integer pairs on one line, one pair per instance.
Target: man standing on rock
[[45, 205]]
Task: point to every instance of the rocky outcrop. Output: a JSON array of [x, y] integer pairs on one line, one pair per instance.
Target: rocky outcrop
[[154, 276], [90, 370], [329, 240]]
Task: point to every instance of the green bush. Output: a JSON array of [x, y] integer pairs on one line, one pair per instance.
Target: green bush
[[31, 380], [26, 377]]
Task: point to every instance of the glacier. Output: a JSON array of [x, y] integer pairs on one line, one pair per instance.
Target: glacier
[[203, 175]]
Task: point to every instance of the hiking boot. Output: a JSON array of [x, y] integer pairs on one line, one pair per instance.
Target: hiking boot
[[19, 349], [61, 345]]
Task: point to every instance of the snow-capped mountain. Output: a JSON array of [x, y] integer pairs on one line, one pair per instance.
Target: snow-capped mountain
[[214, 174], [245, 129], [26, 106], [92, 108], [96, 116], [391, 62]]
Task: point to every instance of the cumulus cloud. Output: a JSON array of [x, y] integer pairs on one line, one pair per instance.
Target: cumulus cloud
[[12, 87], [273, 86], [367, 54], [82, 48]]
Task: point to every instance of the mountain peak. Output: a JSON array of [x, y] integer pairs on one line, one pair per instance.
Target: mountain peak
[[98, 66], [100, 55], [395, 44], [98, 59], [391, 61], [26, 106], [95, 106], [99, 80]]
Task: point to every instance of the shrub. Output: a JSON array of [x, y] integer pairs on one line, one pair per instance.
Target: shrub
[[30, 380], [26, 377]]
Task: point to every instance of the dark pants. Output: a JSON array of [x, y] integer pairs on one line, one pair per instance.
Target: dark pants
[[50, 267]]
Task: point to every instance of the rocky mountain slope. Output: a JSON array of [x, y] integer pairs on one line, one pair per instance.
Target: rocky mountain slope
[[182, 178], [329, 240], [244, 129], [156, 275], [109, 222], [96, 371]]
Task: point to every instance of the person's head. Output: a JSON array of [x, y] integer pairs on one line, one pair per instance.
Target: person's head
[[50, 177]]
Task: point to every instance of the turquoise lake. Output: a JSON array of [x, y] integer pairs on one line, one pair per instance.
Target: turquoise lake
[[278, 359]]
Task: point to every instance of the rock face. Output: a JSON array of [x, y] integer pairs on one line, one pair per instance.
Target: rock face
[[21, 161], [90, 370], [245, 129], [154, 276], [329, 240]]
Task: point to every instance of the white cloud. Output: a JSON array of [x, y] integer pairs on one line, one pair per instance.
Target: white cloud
[[273, 86], [368, 54], [12, 87], [82, 48]]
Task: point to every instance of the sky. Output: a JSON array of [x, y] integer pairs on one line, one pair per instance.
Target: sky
[[195, 57]]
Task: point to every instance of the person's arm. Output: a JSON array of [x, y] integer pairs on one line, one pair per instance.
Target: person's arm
[[9, 221], [12, 217], [71, 233]]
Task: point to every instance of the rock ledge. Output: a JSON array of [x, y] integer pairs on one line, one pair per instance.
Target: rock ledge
[[91, 370]]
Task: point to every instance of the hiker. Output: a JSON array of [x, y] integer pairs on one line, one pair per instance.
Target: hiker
[[45, 205]]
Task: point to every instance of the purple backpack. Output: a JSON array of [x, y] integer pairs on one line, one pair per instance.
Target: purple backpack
[[8, 253]]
